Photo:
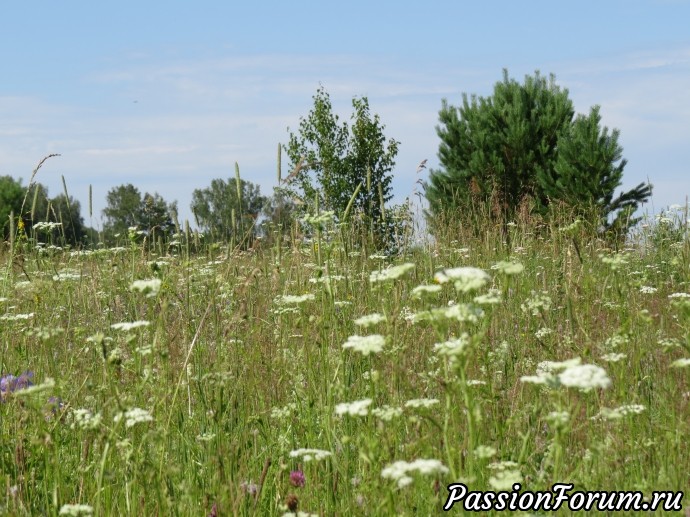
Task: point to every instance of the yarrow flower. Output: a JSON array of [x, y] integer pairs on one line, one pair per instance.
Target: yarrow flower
[[421, 290], [400, 471], [370, 320], [466, 279], [85, 419], [148, 287], [508, 268], [584, 377], [310, 454], [127, 326], [366, 344], [294, 299], [134, 416], [619, 412], [421, 403], [356, 408], [76, 510], [391, 273]]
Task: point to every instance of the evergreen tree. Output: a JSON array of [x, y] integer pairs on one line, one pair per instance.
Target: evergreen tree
[[524, 142]]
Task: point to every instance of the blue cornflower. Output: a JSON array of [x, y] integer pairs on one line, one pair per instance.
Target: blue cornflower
[[9, 383]]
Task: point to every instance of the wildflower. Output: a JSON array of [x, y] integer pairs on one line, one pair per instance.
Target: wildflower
[[466, 278], [536, 304], [365, 344], [127, 326], [9, 383], [392, 273], [585, 377], [484, 451], [45, 225], [507, 268], [399, 471], [297, 478], [148, 287], [33, 389], [421, 290], [558, 418], [356, 408], [66, 275], [503, 480], [294, 299], [493, 297], [16, 317], [681, 363], [421, 403], [134, 416], [645, 289], [387, 413], [543, 332], [619, 412], [613, 357], [76, 510], [370, 320], [615, 261], [85, 419], [310, 454], [679, 295], [453, 347]]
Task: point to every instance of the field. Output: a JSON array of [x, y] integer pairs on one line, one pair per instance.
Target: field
[[322, 376]]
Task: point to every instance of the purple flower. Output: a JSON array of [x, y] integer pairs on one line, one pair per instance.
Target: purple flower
[[297, 478], [9, 383]]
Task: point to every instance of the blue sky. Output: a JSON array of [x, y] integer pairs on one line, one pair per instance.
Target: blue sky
[[169, 95]]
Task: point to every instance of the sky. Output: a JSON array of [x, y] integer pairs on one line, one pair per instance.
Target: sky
[[169, 95]]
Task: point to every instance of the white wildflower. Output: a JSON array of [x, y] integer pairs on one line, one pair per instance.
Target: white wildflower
[[127, 326], [365, 344], [134, 416], [645, 289], [294, 299], [503, 480], [466, 279], [76, 510], [421, 403], [613, 357], [370, 320], [584, 377], [391, 273], [16, 317], [85, 419], [387, 413], [453, 347], [400, 471], [619, 412], [508, 268], [484, 452], [421, 290], [356, 408], [308, 455], [148, 287], [681, 363], [558, 418]]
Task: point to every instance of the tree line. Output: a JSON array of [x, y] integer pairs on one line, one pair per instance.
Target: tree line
[[522, 145]]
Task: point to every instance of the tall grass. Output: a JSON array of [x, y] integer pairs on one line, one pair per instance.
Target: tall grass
[[174, 383]]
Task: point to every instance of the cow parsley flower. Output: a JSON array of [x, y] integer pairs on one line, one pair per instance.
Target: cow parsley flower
[[584, 377], [466, 279], [356, 408], [76, 510], [294, 299], [421, 403], [308, 455], [400, 471], [85, 419], [366, 344], [134, 416], [370, 320], [453, 347], [507, 268], [148, 287], [421, 290], [391, 273], [127, 326]]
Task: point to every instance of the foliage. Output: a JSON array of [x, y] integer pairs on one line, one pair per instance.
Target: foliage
[[127, 208], [11, 196], [343, 158], [237, 384], [227, 212], [524, 142]]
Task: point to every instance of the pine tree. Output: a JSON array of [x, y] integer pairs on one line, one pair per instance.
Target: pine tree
[[524, 141]]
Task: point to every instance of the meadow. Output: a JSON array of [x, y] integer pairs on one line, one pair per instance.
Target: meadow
[[320, 376]]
